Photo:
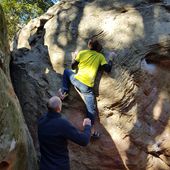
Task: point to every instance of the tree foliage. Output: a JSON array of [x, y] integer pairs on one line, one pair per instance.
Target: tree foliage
[[19, 12]]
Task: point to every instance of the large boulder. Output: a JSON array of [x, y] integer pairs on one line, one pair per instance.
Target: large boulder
[[133, 101], [16, 146]]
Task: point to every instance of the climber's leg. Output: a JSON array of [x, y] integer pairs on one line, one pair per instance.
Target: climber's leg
[[68, 78], [68, 75], [85, 92], [89, 100], [91, 113]]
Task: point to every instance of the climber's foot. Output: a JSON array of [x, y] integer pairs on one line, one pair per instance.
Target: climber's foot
[[95, 135], [62, 95]]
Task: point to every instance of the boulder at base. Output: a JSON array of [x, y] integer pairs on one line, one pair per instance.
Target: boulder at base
[[16, 146]]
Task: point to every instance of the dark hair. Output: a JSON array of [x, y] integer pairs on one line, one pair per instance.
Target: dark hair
[[95, 45]]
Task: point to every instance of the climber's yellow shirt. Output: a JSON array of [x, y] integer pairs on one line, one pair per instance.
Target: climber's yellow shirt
[[89, 62]]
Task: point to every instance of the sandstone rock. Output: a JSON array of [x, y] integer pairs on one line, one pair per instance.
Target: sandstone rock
[[16, 147], [133, 100]]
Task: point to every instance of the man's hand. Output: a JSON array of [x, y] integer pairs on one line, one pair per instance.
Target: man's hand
[[86, 121], [112, 55]]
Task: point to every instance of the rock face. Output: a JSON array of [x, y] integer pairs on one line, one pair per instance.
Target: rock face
[[16, 146], [133, 101]]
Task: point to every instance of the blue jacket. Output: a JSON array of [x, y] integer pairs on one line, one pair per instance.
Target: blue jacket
[[53, 133]]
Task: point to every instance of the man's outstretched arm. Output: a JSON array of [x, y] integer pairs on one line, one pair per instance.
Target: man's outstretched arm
[[73, 134]]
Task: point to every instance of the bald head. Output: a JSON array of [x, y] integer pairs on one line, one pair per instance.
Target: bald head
[[55, 104]]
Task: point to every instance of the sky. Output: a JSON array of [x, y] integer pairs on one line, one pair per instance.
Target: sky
[[54, 1]]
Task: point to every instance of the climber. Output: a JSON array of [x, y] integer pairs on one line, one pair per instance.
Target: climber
[[88, 62], [53, 133]]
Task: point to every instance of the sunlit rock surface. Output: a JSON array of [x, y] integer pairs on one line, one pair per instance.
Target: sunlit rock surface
[[133, 101], [16, 147]]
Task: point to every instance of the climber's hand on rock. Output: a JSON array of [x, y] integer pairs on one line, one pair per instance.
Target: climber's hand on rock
[[74, 54], [112, 55], [86, 121]]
